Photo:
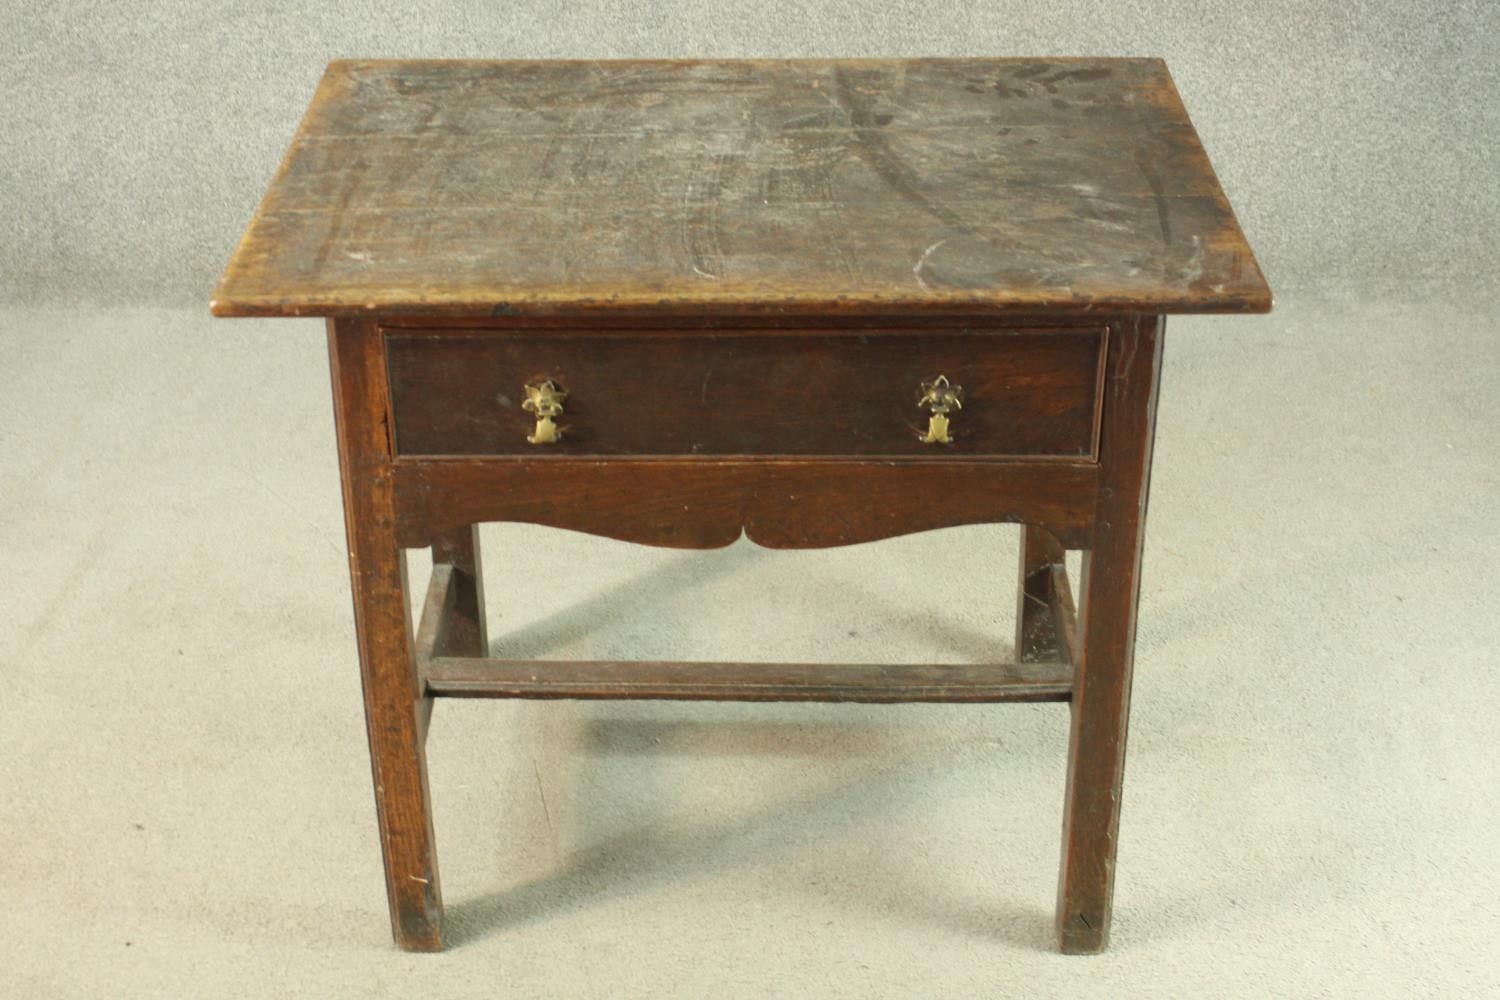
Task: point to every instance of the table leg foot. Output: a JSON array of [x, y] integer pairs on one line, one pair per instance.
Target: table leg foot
[[1082, 934]]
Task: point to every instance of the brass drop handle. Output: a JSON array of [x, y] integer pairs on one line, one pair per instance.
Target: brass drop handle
[[940, 397], [545, 400]]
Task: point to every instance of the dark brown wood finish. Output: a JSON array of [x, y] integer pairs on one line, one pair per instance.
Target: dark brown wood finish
[[465, 632], [446, 672], [690, 188], [440, 630], [741, 271], [849, 682], [1044, 606], [1026, 393], [1064, 614], [707, 503], [395, 713], [1109, 588]]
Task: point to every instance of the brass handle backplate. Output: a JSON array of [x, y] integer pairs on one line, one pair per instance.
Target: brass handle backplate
[[545, 400], [940, 397]]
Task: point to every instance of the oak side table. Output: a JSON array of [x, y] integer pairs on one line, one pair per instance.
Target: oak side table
[[816, 302]]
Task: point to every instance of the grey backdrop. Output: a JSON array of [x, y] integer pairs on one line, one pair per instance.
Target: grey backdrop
[[1311, 796], [1356, 139]]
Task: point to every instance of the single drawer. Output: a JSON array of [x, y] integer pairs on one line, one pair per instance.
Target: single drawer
[[1025, 393]]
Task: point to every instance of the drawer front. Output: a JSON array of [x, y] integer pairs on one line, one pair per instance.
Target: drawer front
[[1026, 393]]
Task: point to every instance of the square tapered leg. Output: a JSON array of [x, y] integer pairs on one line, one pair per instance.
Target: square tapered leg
[[395, 709], [1109, 588]]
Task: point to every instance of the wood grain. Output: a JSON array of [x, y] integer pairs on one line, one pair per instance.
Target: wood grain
[[853, 682], [1109, 589], [395, 709], [692, 188], [741, 270], [464, 629], [1046, 622], [1064, 614], [707, 503], [1027, 392]]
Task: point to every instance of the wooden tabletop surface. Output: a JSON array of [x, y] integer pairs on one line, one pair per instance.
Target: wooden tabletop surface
[[879, 187]]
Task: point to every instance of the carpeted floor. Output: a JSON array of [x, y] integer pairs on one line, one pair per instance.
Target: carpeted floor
[[1311, 797]]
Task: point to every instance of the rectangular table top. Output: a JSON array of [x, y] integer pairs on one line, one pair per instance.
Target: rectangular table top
[[681, 188]]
